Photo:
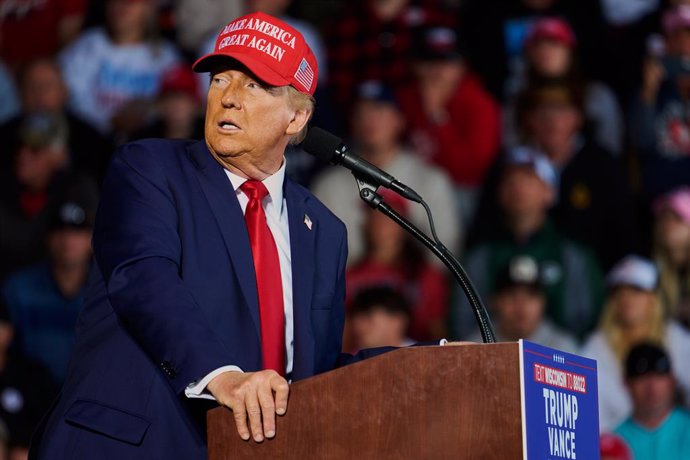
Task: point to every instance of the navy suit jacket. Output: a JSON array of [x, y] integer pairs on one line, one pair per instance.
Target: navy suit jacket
[[172, 296]]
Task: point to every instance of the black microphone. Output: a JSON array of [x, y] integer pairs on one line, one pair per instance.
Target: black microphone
[[329, 148]]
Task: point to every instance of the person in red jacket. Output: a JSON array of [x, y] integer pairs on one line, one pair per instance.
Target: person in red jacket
[[452, 119], [395, 260]]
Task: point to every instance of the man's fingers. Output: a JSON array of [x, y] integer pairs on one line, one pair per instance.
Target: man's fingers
[[251, 401], [282, 390], [267, 409], [240, 414]]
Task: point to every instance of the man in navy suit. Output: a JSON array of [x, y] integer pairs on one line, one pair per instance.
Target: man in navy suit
[[176, 314]]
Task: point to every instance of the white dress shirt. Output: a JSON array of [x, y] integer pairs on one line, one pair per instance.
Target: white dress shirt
[[275, 207]]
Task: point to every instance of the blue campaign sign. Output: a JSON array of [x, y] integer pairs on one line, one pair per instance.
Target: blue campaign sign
[[560, 416]]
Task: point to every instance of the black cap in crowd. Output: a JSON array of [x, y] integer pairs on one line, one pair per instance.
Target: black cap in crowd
[[380, 298], [647, 358], [523, 271]]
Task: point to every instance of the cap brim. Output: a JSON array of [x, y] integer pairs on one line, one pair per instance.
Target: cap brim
[[262, 71]]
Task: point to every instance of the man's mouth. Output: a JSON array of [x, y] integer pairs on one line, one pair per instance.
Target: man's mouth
[[227, 125]]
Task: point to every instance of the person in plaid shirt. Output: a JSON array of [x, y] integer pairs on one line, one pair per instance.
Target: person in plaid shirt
[[373, 40]]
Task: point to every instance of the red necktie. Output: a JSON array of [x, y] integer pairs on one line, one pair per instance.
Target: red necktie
[[268, 280]]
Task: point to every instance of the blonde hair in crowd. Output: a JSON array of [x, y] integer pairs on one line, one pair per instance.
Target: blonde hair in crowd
[[615, 334], [670, 282], [301, 101]]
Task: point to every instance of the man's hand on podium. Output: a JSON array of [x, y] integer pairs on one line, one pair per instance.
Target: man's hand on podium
[[256, 395]]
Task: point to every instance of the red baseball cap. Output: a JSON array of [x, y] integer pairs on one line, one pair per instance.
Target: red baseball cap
[[273, 50], [614, 448], [179, 80], [555, 29]]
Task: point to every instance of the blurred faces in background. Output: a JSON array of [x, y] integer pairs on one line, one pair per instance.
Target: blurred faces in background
[[377, 123], [130, 21], [380, 317], [526, 191], [519, 306], [657, 429], [42, 88], [633, 314], [549, 48], [651, 384], [552, 117]]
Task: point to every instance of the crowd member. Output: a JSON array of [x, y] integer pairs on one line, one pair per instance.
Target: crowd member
[[594, 204], [612, 447], [379, 317], [177, 108], [498, 31], [518, 304], [45, 299], [373, 39], [657, 428], [672, 253], [57, 21], [43, 90], [394, 259], [632, 314], [112, 72], [660, 113], [550, 53], [26, 391], [572, 281], [32, 188], [377, 127], [8, 95], [452, 120]]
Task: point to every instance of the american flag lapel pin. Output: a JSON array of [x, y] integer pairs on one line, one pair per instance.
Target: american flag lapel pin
[[307, 221]]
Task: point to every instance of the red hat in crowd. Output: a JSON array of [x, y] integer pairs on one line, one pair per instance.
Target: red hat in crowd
[[270, 48], [613, 448], [555, 29], [179, 80]]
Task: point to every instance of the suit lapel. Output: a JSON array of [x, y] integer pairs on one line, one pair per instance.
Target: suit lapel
[[228, 213], [303, 228]]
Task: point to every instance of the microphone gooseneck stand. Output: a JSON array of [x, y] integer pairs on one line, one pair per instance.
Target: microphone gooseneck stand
[[367, 192]]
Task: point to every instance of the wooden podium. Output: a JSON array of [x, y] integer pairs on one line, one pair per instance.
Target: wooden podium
[[452, 402]]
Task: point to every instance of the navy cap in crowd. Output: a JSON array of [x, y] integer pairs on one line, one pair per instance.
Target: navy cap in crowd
[[645, 359], [438, 44], [376, 91]]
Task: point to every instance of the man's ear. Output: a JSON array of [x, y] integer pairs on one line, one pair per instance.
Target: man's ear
[[299, 120]]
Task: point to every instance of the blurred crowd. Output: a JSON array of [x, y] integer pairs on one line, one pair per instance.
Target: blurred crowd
[[550, 138]]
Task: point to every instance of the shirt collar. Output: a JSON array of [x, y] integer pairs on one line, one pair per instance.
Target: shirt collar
[[273, 183]]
